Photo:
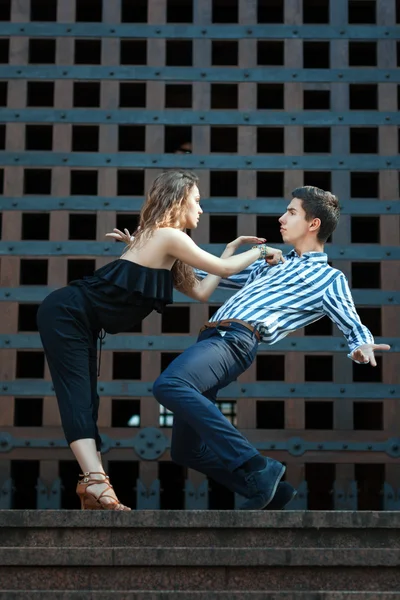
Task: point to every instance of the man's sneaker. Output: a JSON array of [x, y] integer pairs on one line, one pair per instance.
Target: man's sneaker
[[285, 493], [261, 485]]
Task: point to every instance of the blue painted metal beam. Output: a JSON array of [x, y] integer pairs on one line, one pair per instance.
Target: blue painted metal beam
[[32, 293], [231, 206], [135, 389], [195, 117], [142, 160], [358, 252], [178, 343], [225, 32], [213, 74]]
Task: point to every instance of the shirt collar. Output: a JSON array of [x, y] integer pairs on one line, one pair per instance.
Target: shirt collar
[[320, 257]]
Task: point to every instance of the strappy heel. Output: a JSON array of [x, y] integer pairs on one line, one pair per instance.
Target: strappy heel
[[90, 501]]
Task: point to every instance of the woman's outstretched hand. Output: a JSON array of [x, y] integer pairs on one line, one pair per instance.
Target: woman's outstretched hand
[[120, 236], [274, 255]]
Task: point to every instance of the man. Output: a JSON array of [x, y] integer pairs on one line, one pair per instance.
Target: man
[[272, 302]]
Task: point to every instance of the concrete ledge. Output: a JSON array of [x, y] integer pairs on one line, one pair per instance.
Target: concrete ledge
[[175, 595]]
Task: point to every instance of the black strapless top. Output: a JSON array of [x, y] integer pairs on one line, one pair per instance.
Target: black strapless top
[[123, 293]]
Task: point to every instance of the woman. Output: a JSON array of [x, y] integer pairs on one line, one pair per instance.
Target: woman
[[115, 299]]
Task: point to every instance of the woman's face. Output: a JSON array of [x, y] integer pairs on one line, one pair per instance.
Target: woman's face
[[193, 209]]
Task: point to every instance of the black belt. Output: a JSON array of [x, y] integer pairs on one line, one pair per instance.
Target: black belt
[[228, 322]]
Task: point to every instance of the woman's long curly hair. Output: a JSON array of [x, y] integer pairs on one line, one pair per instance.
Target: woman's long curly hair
[[165, 207]]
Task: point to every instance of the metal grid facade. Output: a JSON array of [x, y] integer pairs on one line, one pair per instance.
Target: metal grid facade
[[90, 115]]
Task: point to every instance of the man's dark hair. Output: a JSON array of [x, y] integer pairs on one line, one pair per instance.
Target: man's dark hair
[[322, 205]]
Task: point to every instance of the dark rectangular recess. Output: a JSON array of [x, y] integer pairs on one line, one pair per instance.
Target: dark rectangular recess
[[5, 10], [270, 367], [212, 309], [367, 374], [27, 317], [129, 221], [4, 50], [318, 368], [30, 364], [3, 93], [172, 483], [179, 53], [269, 228], [125, 412], [82, 226], [363, 96], [133, 52], [68, 471], [223, 183], [1, 181], [40, 93], [320, 478], [2, 137], [270, 11], [28, 412], [223, 139], [366, 275], [38, 137], [361, 12], [219, 497], [370, 479], [43, 10], [320, 179], [132, 95], [362, 54], [270, 53], [318, 415], [225, 11], [365, 230], [364, 184], [167, 358], [270, 140], [42, 51], [85, 138], [130, 182], [89, 11], [37, 181], [270, 184], [86, 94], [33, 271], [127, 365], [315, 11], [124, 475], [179, 11], [270, 96], [87, 52], [224, 95], [83, 183], [223, 228], [317, 139], [178, 95], [134, 12], [131, 138], [371, 317], [224, 53], [270, 414], [35, 226], [321, 327], [77, 268], [364, 140], [175, 136], [367, 416], [316, 55], [24, 475], [175, 319], [316, 99]]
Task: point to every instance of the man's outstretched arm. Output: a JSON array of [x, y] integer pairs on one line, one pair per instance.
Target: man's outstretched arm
[[338, 304]]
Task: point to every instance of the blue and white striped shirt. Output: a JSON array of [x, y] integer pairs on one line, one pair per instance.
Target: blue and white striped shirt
[[280, 299]]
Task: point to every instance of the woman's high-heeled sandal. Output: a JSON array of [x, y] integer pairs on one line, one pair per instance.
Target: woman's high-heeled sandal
[[90, 501]]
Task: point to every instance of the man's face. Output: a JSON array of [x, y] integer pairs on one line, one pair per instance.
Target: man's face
[[294, 227]]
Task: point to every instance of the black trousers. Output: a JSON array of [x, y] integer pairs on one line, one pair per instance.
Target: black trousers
[[69, 337]]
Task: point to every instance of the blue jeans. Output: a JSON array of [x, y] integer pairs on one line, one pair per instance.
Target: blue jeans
[[202, 437]]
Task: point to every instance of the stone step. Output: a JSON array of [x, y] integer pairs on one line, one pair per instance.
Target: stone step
[[176, 595]]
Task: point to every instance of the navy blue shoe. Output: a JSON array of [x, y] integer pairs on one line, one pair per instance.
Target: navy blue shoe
[[284, 494], [261, 485]]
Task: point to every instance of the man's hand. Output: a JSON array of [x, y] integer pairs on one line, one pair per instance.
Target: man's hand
[[365, 353], [274, 256], [120, 236]]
